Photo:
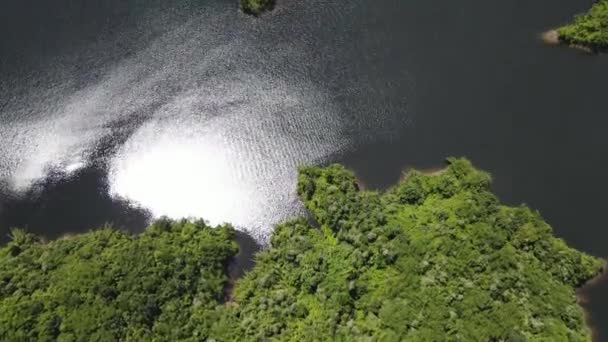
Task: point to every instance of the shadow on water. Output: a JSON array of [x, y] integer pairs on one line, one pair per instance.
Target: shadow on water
[[244, 260], [593, 298], [241, 263], [75, 204], [80, 203]]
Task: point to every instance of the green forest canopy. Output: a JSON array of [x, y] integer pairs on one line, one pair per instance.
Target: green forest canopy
[[589, 29], [436, 258]]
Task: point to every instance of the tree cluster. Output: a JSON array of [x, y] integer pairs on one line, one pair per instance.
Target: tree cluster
[[256, 7], [589, 29]]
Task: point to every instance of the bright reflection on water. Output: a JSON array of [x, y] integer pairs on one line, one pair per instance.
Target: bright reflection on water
[[204, 120], [226, 152], [178, 177]]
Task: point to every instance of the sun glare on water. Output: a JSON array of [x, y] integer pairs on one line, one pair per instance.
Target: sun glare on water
[[181, 177]]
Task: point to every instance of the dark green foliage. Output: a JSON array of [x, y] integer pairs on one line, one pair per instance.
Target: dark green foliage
[[107, 286], [256, 7], [589, 29], [436, 258]]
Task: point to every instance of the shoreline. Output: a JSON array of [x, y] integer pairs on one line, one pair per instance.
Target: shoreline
[[239, 264], [551, 37], [432, 171], [583, 300]]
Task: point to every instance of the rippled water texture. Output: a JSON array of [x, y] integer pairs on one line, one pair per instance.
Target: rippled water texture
[[208, 117]]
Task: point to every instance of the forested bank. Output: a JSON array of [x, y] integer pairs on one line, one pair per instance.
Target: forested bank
[[106, 285], [437, 257]]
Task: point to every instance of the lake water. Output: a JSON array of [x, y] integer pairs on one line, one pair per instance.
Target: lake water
[[123, 110]]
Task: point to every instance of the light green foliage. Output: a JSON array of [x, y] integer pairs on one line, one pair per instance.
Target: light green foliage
[[108, 286], [436, 258], [256, 7], [589, 29]]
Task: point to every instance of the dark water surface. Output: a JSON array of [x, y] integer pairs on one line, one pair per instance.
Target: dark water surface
[[119, 111]]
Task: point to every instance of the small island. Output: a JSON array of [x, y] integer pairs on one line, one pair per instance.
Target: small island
[[435, 258], [256, 7], [588, 31]]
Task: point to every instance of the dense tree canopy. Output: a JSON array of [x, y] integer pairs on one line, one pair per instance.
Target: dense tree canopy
[[436, 258], [589, 29], [108, 286]]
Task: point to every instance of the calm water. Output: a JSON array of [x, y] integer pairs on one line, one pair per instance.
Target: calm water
[[120, 111]]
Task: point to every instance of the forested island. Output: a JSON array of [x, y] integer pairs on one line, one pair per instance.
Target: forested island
[[589, 30], [256, 7], [435, 258]]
